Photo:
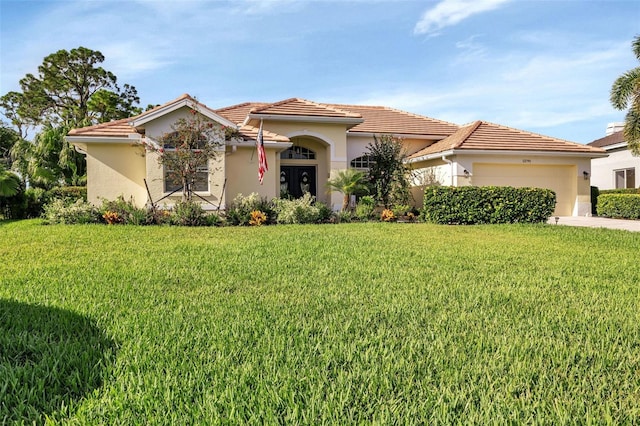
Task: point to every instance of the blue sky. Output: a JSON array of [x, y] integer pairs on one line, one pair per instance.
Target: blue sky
[[542, 66]]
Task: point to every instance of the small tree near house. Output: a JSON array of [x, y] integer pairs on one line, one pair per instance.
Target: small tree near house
[[388, 174], [185, 152]]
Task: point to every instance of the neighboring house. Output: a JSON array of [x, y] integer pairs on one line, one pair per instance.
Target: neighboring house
[[620, 168], [307, 143]]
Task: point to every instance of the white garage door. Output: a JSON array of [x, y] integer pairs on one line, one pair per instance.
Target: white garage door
[[561, 179]]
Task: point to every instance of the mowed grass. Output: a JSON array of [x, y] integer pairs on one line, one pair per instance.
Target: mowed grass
[[371, 323]]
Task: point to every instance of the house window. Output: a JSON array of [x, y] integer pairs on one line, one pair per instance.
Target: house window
[[364, 162], [298, 153], [625, 178], [200, 184]]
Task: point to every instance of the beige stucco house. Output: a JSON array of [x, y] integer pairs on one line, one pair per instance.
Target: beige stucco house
[[307, 142], [620, 168]]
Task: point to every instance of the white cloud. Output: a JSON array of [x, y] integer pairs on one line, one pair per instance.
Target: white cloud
[[451, 12]]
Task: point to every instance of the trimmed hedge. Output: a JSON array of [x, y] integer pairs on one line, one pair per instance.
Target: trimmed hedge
[[468, 205], [619, 206], [620, 191]]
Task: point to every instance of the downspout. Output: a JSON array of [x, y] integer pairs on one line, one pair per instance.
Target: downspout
[[446, 160]]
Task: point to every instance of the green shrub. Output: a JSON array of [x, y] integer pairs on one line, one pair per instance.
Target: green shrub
[[239, 211], [58, 211], [124, 211], [301, 210], [325, 213], [213, 219], [488, 204], [365, 207], [621, 191], [343, 217], [188, 213], [69, 194], [621, 206]]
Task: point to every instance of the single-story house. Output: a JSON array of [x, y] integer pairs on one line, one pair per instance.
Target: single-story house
[[307, 142], [618, 170]]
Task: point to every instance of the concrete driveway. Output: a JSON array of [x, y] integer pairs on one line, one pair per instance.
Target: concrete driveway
[[598, 222]]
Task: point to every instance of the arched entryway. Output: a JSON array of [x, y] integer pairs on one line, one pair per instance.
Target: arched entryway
[[301, 165]]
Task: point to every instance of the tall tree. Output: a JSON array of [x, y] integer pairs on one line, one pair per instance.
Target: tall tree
[[388, 172], [71, 89], [625, 94], [8, 138], [61, 92]]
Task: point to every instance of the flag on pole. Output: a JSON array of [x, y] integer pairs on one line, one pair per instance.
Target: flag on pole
[[262, 157]]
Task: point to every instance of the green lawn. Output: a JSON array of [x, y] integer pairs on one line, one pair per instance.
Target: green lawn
[[354, 323]]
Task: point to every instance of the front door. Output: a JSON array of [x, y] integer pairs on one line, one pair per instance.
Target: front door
[[295, 181]]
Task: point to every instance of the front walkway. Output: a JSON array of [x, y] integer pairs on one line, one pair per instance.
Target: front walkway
[[598, 222]]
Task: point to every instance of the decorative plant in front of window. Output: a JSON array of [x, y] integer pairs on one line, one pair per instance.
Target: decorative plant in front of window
[[185, 152]]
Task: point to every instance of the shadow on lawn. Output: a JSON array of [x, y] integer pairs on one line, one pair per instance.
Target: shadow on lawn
[[49, 358]]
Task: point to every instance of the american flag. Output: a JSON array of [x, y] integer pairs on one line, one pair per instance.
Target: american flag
[[262, 157]]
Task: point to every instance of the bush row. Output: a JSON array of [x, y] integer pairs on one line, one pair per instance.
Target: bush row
[[30, 202], [619, 205], [248, 210], [488, 204]]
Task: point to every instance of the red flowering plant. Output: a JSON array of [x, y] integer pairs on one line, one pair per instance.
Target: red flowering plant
[[185, 152]]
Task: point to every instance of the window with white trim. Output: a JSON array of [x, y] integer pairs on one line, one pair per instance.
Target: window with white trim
[[200, 182], [362, 163], [625, 178]]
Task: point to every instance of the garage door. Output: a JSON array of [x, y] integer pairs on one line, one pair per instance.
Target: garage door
[[561, 179]]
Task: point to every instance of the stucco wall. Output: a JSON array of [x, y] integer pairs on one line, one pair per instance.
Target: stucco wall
[[602, 169], [115, 169], [242, 173]]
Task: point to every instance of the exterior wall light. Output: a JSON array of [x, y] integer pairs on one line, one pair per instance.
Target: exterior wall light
[[466, 173], [586, 175]]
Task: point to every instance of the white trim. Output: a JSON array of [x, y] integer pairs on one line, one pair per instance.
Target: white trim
[[202, 109], [306, 118], [615, 146]]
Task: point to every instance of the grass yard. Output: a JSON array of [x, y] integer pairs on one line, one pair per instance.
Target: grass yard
[[355, 323]]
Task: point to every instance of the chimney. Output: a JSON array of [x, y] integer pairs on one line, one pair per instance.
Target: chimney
[[614, 128]]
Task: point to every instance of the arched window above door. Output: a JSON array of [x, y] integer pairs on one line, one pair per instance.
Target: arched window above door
[[298, 153]]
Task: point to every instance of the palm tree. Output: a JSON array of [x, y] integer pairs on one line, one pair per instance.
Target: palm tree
[[9, 183], [348, 182], [625, 93]]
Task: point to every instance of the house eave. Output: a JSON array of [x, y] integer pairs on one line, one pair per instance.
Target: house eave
[[615, 146]]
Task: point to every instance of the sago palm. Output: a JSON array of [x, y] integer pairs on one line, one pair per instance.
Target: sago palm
[[348, 182], [625, 93]]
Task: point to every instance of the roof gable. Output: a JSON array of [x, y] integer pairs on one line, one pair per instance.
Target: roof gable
[[485, 136], [181, 102]]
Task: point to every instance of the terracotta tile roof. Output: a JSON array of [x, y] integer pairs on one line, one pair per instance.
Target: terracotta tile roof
[[237, 113], [251, 133], [303, 107], [380, 119], [612, 139], [114, 129], [485, 136]]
